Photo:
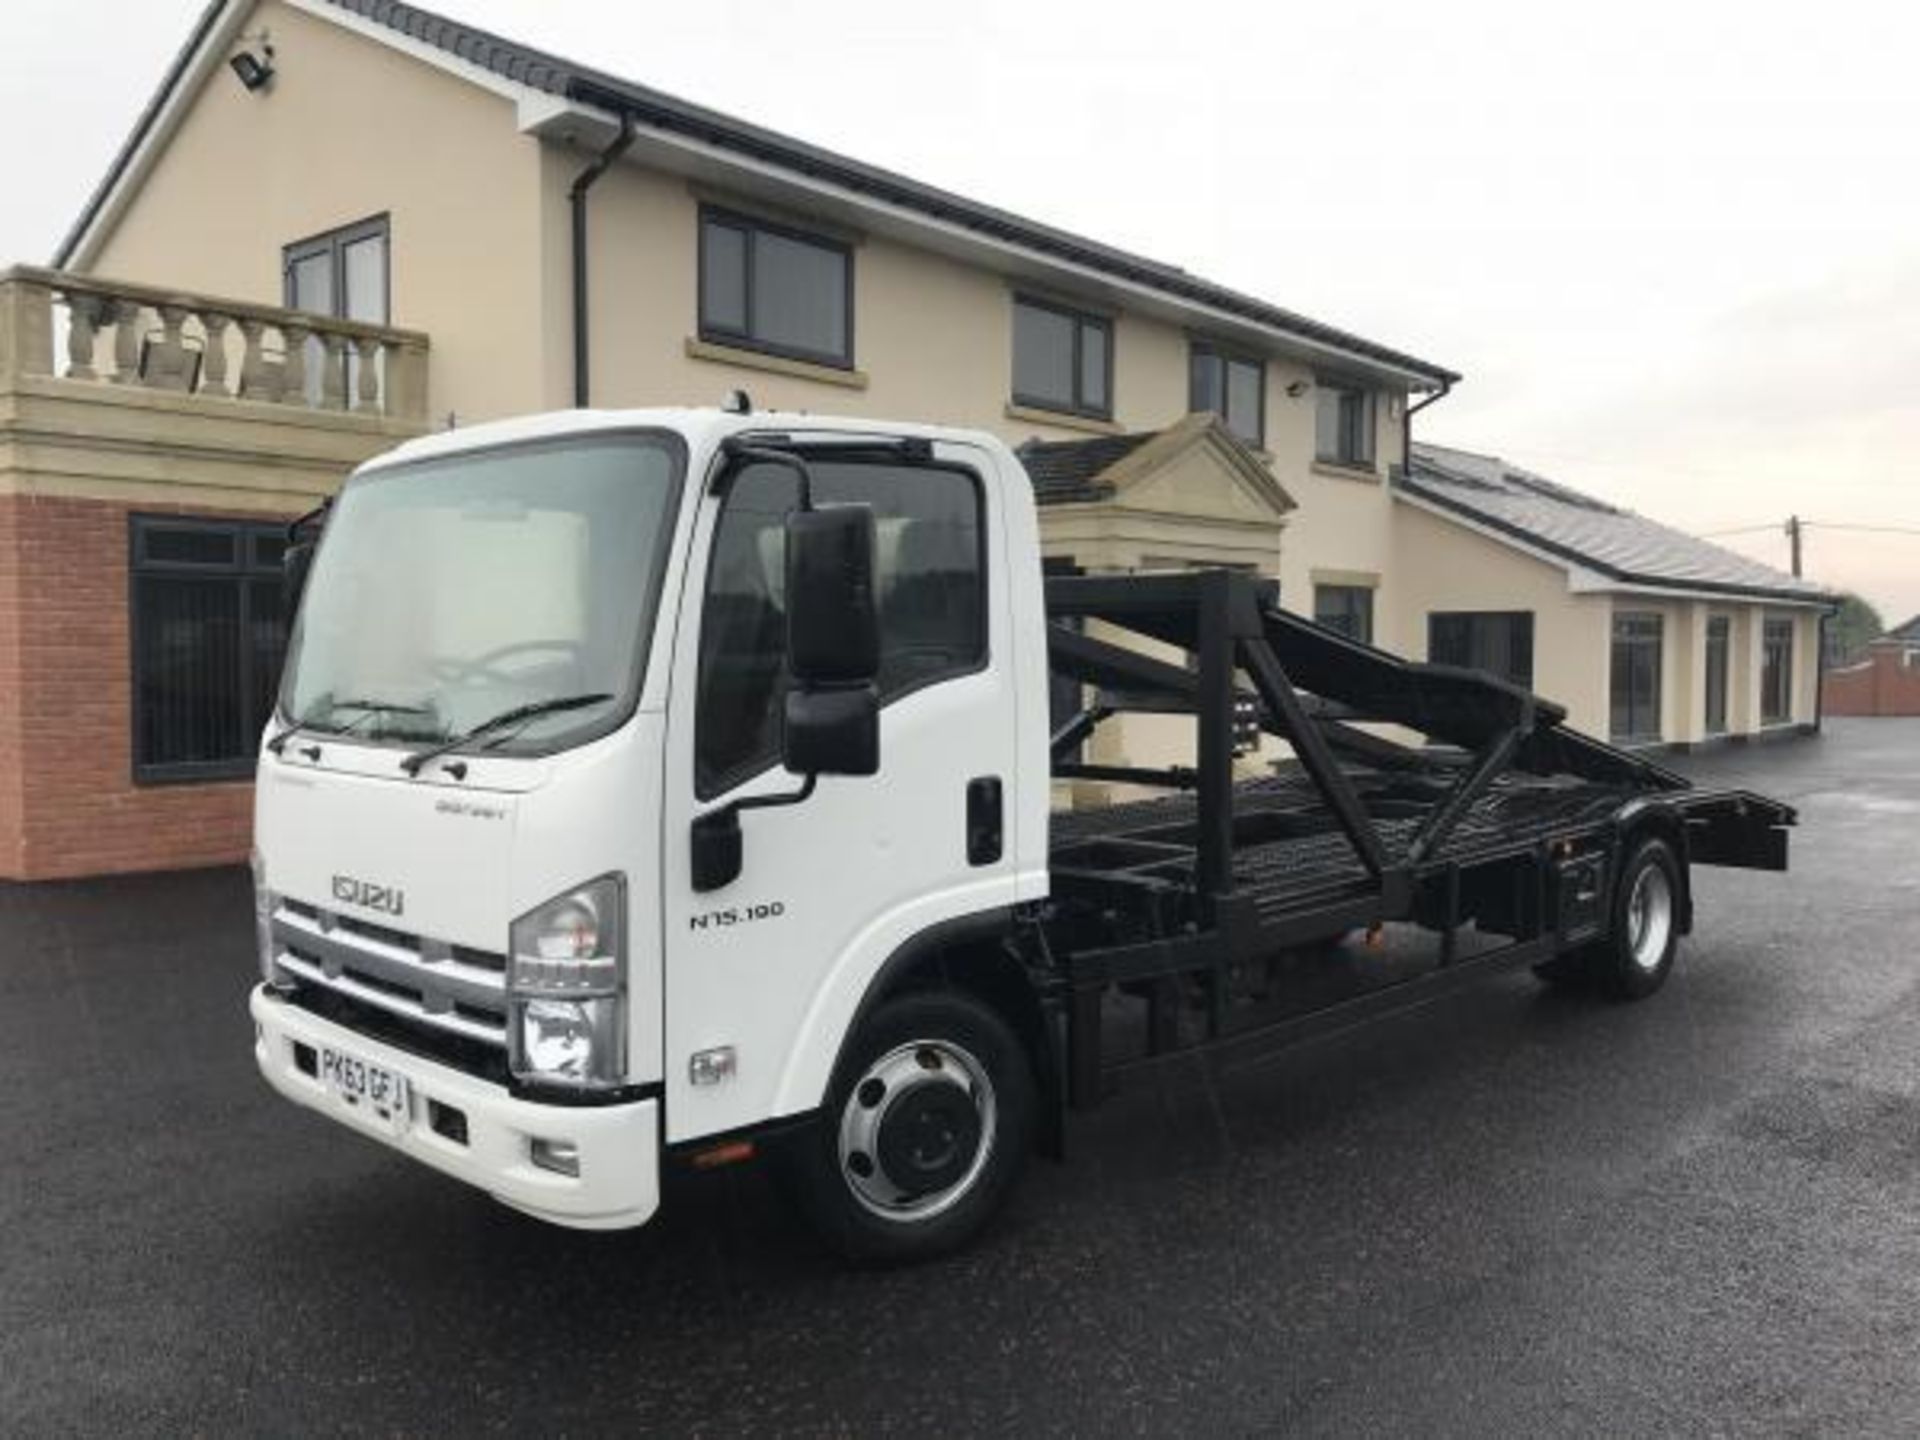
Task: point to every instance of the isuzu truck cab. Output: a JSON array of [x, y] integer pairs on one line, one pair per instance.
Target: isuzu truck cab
[[672, 786]]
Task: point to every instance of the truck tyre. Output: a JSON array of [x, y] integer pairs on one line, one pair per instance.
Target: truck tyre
[[1637, 955], [924, 1131], [1643, 931]]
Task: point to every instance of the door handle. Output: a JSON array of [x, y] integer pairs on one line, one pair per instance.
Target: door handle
[[985, 838]]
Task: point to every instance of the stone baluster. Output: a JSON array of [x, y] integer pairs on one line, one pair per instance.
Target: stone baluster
[[368, 400], [213, 370], [293, 375], [255, 377], [333, 372], [85, 314], [128, 316], [168, 364]]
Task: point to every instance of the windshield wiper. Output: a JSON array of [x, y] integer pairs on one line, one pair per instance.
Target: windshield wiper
[[310, 721], [414, 761]]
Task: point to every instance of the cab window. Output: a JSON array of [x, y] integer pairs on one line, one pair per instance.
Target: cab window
[[930, 577]]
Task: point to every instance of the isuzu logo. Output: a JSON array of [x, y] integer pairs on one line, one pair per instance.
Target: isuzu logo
[[367, 895]]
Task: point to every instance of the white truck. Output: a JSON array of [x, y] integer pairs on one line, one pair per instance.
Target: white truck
[[673, 787]]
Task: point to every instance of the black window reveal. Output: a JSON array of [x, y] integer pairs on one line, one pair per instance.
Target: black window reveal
[[209, 634], [1062, 359], [1231, 386], [1636, 677], [1343, 423], [1719, 630], [770, 287], [930, 576], [344, 273], [1499, 642], [1776, 671], [1346, 608]]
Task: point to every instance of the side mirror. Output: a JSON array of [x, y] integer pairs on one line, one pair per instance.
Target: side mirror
[[834, 731], [295, 565], [833, 627], [296, 561], [832, 720]]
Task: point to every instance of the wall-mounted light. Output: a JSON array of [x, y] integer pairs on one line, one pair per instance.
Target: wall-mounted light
[[255, 71], [1297, 388]]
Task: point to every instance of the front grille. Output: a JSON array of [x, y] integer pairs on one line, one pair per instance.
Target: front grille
[[443, 988]]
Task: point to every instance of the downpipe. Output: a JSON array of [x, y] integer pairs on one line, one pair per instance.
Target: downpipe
[[577, 202]]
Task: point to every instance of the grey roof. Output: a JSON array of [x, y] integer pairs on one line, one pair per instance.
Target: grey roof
[[1907, 634], [1065, 472], [1587, 531], [557, 76]]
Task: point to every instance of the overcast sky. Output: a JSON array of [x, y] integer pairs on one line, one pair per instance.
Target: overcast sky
[[1674, 248]]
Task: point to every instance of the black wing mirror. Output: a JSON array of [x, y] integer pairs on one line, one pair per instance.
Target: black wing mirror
[[832, 720], [296, 562]]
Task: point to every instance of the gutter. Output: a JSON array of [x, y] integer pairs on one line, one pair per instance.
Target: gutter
[[577, 203], [1406, 421]]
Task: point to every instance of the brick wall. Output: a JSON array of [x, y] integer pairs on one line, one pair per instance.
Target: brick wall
[[66, 676], [1883, 685]]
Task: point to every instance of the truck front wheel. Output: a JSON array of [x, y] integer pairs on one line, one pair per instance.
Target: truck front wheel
[[923, 1134]]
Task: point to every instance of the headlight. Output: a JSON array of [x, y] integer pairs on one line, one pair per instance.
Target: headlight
[[566, 988], [263, 903]]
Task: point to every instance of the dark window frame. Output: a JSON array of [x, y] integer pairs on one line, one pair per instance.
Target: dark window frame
[[745, 772], [1648, 734], [1720, 626], [1348, 592], [1471, 618], [750, 227], [334, 243], [1226, 357], [1771, 627], [1367, 451], [245, 569], [1083, 320]]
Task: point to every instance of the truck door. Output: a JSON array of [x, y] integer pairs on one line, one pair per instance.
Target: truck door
[[764, 973]]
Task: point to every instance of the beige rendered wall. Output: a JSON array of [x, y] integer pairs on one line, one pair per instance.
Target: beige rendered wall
[[352, 129], [1438, 565]]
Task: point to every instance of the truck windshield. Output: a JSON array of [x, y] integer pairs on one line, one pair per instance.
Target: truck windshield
[[451, 591]]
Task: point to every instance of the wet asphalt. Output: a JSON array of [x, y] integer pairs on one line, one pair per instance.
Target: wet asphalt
[[1511, 1212]]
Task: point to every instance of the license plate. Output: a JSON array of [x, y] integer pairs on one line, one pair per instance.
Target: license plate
[[373, 1090]]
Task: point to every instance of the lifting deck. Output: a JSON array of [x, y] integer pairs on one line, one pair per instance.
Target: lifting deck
[[1211, 919]]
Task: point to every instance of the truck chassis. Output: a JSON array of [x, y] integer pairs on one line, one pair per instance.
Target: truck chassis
[[1214, 910]]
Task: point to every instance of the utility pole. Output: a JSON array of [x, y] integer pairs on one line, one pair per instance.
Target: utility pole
[[1793, 535]]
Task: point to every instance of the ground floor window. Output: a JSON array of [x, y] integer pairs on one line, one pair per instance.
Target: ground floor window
[[1636, 677], [208, 630], [1497, 641], [1776, 672], [1719, 632], [1346, 608]]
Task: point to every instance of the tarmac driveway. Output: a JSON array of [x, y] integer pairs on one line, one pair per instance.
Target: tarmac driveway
[[1512, 1211]]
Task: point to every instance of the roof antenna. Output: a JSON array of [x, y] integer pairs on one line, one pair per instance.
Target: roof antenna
[[737, 402]]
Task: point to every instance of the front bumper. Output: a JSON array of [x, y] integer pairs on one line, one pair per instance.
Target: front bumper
[[619, 1145]]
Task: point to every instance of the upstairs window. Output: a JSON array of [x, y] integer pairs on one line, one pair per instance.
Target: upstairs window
[[767, 287], [1499, 642], [1776, 671], [1062, 359], [344, 274], [1233, 388], [1343, 424], [209, 634], [1346, 608], [929, 578]]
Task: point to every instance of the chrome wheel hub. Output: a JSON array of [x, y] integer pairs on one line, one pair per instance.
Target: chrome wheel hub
[[1649, 918], [917, 1129]]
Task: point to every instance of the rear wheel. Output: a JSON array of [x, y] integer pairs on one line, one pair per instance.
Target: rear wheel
[[1636, 956], [923, 1134]]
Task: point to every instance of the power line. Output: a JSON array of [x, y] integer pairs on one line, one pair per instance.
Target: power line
[[1780, 527]]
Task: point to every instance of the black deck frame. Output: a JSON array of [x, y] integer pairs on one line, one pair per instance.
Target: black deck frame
[[1167, 903]]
